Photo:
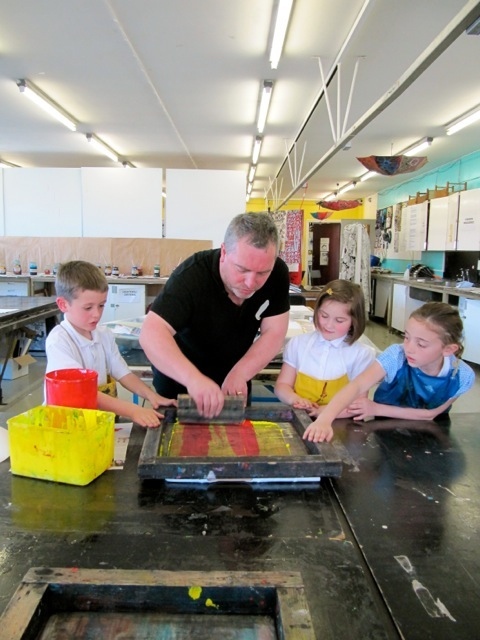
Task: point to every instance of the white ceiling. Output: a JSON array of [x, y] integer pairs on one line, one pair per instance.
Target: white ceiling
[[176, 84]]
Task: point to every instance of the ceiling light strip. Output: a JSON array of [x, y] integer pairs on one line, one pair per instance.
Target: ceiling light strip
[[418, 147], [8, 165], [43, 101], [280, 31], [101, 146], [347, 187], [264, 105], [256, 149], [464, 121]]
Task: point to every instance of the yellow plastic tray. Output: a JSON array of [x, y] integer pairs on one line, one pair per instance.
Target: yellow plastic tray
[[61, 444]]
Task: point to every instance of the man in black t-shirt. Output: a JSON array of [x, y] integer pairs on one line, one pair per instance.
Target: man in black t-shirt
[[200, 331]]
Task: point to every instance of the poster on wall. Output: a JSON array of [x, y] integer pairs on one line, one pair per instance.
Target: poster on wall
[[290, 228]]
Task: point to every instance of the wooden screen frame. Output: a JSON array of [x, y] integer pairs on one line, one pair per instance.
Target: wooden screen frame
[[320, 460], [45, 591]]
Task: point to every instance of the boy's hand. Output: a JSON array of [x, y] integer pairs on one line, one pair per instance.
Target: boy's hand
[[157, 400], [318, 432], [146, 417]]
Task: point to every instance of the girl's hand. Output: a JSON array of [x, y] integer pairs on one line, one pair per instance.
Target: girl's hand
[[303, 403], [433, 413], [318, 432], [362, 408]]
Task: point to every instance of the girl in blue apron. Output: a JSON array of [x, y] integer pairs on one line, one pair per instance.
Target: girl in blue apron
[[317, 364], [418, 380]]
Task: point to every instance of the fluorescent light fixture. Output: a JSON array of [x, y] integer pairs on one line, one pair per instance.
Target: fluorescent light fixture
[[37, 96], [256, 149], [368, 175], [164, 193], [331, 197], [101, 146], [126, 164], [464, 121], [251, 173], [418, 146], [249, 188], [280, 31], [346, 188], [8, 165], [264, 105]]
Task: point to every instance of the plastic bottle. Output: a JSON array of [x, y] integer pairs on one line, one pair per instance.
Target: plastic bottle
[[406, 275]]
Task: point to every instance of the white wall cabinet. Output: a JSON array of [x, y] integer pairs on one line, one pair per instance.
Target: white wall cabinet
[[468, 237], [402, 306], [416, 216], [470, 314], [124, 302], [382, 290], [443, 223], [399, 300]]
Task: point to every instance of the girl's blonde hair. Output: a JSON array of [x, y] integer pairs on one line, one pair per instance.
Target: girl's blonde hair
[[444, 320], [347, 293]]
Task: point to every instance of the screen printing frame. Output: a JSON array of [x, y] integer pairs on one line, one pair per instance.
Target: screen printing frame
[[317, 460], [46, 591]]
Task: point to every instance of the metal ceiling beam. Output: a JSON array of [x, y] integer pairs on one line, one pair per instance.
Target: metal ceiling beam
[[452, 31]]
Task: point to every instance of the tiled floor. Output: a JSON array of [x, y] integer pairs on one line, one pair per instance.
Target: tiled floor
[[23, 393]]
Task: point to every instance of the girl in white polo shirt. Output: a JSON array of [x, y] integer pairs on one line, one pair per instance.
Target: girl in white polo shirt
[[317, 365]]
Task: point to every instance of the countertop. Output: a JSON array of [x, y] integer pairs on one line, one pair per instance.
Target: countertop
[[430, 285], [121, 279]]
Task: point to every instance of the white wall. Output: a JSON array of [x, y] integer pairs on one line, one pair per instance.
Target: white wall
[[89, 202], [42, 202], [201, 203], [122, 203], [2, 209]]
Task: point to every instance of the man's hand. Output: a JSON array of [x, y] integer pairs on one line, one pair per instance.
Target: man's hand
[[207, 395]]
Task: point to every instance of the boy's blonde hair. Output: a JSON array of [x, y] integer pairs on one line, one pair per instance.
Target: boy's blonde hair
[[345, 292], [76, 276], [444, 320]]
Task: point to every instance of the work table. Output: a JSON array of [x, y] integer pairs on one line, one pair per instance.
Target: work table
[[388, 550]]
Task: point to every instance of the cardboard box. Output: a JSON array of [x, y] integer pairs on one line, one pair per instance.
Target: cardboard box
[[18, 367]]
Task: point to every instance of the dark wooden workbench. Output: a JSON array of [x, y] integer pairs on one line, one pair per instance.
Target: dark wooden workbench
[[22, 311], [410, 495]]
